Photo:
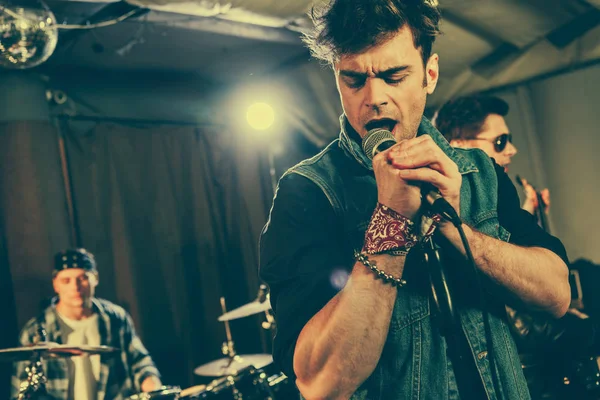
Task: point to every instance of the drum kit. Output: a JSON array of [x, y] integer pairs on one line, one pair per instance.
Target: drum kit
[[235, 377]]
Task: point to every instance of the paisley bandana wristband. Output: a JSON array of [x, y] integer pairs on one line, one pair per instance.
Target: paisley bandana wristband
[[389, 232]]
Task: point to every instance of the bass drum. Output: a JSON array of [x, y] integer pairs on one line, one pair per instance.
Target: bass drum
[[248, 384], [164, 393]]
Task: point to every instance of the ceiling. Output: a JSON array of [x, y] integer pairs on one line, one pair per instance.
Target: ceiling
[[485, 43]]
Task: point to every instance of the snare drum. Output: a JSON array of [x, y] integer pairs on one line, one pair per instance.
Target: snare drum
[[164, 393]]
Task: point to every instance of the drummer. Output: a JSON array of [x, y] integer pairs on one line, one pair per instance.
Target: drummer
[[77, 318]]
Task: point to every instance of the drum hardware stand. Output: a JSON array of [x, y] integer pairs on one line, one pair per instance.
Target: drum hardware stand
[[270, 322], [263, 295], [237, 395], [263, 382], [228, 348], [35, 385]]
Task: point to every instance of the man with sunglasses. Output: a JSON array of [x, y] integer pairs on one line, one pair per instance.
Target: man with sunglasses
[[478, 122]]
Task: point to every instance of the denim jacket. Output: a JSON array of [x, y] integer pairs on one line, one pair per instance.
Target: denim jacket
[[414, 364]]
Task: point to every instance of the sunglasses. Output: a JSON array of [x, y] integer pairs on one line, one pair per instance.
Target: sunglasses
[[499, 142]]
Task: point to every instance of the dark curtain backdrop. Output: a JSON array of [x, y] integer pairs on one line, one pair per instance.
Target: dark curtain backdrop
[[33, 225], [172, 212], [174, 228]]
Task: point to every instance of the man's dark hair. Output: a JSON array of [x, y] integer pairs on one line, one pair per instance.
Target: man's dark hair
[[353, 26], [463, 118]]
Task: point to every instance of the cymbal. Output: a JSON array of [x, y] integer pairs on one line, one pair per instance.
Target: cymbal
[[227, 366], [53, 350], [246, 310]]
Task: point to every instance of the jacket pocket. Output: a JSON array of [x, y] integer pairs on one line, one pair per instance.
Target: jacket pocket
[[409, 308]]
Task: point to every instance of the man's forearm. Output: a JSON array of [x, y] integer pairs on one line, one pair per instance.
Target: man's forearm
[[536, 276], [341, 345]]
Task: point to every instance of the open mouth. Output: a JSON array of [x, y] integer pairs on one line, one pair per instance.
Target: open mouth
[[384, 123]]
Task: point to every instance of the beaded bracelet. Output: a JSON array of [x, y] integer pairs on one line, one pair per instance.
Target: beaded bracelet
[[386, 278]]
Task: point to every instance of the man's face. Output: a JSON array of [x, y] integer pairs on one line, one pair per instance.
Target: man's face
[[493, 127], [74, 287], [386, 86]]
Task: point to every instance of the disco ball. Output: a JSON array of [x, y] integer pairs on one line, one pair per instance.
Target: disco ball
[[28, 36]]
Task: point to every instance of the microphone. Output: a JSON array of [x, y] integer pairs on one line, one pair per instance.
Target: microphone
[[378, 140]]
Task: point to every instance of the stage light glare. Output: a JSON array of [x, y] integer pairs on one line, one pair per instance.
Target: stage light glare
[[338, 279], [260, 116], [277, 149]]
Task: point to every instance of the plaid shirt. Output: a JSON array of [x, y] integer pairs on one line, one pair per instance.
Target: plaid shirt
[[121, 374]]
